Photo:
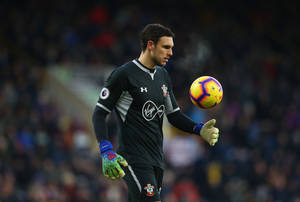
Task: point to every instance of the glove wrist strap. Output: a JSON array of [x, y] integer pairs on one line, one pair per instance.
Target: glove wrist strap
[[197, 128], [105, 146]]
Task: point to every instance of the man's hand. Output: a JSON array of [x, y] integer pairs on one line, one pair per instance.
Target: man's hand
[[111, 162], [209, 133]]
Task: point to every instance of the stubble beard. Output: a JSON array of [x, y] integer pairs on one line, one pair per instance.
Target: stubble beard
[[157, 62]]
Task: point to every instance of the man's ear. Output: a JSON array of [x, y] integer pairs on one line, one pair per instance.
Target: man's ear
[[150, 45]]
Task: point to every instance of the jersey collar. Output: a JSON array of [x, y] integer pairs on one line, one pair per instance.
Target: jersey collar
[[145, 69]]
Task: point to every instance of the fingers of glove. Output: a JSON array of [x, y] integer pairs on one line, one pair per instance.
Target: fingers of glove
[[213, 142], [116, 172], [215, 130], [212, 132], [215, 136], [210, 123], [105, 172], [111, 174], [120, 171], [108, 173], [122, 161]]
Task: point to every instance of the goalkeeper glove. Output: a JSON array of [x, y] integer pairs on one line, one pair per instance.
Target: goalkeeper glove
[[111, 161], [208, 132]]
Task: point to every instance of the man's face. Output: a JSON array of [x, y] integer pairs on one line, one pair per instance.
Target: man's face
[[162, 50]]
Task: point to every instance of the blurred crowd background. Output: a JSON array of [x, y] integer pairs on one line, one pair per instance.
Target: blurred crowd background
[[251, 47]]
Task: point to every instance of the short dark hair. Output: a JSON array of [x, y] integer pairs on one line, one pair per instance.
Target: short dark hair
[[153, 32]]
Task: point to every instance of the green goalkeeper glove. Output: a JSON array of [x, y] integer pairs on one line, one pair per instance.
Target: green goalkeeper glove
[[208, 132], [111, 161]]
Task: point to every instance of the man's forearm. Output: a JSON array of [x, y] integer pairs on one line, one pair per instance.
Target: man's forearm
[[182, 122], [99, 124]]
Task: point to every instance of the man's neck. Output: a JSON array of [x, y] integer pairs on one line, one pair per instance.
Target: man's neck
[[145, 59]]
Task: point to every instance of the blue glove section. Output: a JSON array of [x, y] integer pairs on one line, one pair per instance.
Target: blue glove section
[[198, 128], [106, 150], [110, 155], [105, 146]]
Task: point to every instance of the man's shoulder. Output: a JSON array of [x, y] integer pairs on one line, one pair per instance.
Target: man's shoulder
[[127, 66], [124, 69]]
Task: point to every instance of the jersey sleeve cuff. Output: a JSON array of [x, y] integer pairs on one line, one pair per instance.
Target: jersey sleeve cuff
[[198, 128], [105, 146], [103, 107], [174, 110]]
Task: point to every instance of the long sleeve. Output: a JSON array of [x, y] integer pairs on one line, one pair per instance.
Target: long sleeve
[[99, 123], [181, 121]]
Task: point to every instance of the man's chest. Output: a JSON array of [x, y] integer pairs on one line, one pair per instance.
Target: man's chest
[[149, 95], [144, 89]]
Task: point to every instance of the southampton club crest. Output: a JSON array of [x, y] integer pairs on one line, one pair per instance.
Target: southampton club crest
[[164, 89], [149, 189]]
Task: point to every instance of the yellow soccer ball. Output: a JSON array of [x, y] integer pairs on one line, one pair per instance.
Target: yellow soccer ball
[[206, 92]]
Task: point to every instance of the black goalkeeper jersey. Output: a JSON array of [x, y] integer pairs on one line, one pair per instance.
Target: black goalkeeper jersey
[[140, 97]]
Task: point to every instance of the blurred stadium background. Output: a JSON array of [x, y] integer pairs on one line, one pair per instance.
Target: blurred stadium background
[[55, 55]]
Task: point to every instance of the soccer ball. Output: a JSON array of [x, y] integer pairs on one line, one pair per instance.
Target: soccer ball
[[206, 92]]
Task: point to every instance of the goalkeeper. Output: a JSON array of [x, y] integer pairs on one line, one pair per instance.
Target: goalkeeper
[[141, 92]]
